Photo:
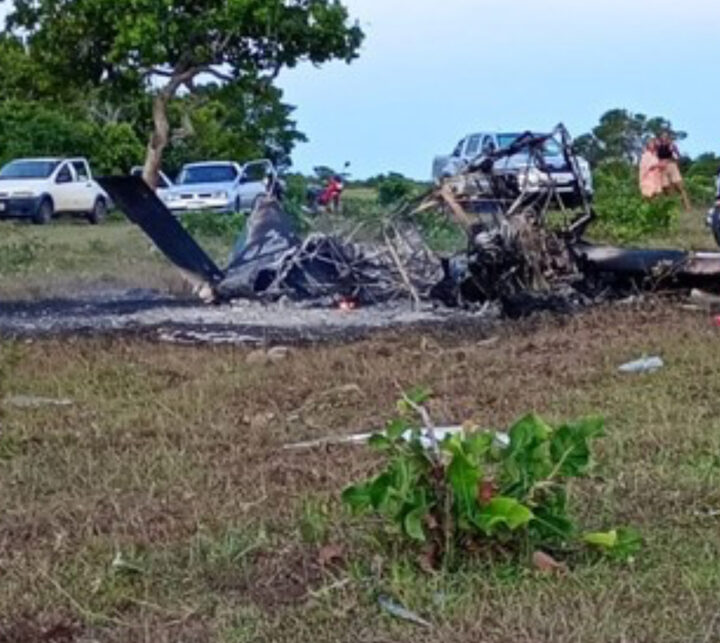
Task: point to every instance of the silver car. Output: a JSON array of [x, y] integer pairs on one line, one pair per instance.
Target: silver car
[[220, 186]]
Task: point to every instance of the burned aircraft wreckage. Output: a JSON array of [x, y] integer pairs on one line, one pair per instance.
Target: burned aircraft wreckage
[[513, 257]]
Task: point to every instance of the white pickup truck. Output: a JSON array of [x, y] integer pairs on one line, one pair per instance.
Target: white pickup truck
[[40, 188], [532, 179]]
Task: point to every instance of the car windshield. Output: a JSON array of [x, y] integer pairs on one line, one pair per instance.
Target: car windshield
[[551, 147], [207, 174], [506, 140], [28, 170]]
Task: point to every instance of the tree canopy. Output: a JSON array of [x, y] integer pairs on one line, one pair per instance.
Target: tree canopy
[[40, 117], [621, 136], [171, 47]]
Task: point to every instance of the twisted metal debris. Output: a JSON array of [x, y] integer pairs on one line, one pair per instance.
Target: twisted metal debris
[[512, 256]]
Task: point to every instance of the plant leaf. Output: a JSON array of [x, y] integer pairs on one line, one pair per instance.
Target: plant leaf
[[621, 544], [379, 442], [570, 445], [379, 490], [419, 395], [416, 397], [570, 451], [464, 478], [395, 429], [605, 540], [505, 511], [413, 524], [628, 544], [478, 444], [357, 498], [528, 432]]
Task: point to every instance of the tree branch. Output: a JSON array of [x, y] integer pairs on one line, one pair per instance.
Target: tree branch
[[156, 71], [178, 79], [218, 74]]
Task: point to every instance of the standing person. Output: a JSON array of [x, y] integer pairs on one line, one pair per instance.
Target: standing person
[[651, 183], [669, 156], [332, 194]]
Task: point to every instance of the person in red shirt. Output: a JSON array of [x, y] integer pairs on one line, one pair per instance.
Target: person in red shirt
[[332, 193]]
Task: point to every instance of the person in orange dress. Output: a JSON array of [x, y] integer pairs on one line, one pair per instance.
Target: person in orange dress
[[651, 181]]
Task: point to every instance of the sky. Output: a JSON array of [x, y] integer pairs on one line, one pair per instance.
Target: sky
[[432, 71]]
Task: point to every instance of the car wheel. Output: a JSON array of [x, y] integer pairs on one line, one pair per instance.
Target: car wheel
[[98, 213], [44, 213]]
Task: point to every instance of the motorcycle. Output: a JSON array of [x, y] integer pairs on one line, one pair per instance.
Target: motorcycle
[[327, 197]]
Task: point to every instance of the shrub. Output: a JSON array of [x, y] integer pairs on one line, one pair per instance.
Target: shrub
[[701, 189], [622, 212], [483, 489], [394, 188], [218, 226]]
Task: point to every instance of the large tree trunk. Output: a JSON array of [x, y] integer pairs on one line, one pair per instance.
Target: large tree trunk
[[158, 139]]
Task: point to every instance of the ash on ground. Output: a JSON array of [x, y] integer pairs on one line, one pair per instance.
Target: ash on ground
[[240, 322]]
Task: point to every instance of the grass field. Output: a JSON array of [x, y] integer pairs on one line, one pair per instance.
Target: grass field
[[68, 257], [160, 505]]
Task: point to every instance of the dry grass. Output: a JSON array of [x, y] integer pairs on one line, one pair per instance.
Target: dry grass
[[69, 256], [171, 458]]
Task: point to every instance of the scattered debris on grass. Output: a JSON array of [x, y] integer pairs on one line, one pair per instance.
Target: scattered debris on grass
[[35, 402], [269, 356], [424, 436], [192, 337], [546, 564], [404, 614], [643, 365]]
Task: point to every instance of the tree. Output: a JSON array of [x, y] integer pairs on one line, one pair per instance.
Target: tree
[[20, 77], [705, 165], [621, 136], [169, 46], [229, 122]]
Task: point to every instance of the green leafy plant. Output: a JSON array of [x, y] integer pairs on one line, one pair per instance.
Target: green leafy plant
[[223, 226], [482, 488], [622, 212], [620, 544], [394, 188]]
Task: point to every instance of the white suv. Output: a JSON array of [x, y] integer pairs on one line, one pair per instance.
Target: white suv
[[40, 188]]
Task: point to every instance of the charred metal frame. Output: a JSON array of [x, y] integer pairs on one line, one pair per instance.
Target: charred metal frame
[[510, 246]]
